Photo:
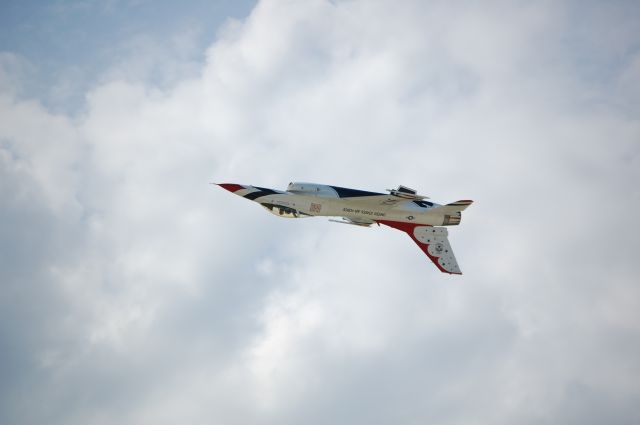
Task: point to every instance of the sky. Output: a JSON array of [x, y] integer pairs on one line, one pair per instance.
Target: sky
[[133, 291]]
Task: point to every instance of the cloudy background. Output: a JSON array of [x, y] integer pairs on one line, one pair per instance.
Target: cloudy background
[[133, 292]]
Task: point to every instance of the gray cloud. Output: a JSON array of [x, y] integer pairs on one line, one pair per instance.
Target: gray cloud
[[133, 291]]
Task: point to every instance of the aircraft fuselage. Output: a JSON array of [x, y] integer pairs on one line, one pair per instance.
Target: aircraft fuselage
[[401, 208], [361, 207]]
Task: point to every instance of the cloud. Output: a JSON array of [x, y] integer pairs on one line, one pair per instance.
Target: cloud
[[134, 291]]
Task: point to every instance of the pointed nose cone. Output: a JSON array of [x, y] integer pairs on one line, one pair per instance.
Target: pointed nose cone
[[231, 187]]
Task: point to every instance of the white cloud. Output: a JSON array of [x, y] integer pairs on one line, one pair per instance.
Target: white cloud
[[134, 291]]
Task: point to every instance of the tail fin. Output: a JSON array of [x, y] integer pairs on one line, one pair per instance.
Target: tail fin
[[432, 241]]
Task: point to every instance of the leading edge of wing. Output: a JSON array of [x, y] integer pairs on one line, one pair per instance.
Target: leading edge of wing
[[432, 241]]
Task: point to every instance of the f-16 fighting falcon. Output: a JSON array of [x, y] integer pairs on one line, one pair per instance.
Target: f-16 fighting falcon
[[401, 208]]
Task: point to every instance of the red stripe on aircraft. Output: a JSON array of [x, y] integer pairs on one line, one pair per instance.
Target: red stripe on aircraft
[[231, 187]]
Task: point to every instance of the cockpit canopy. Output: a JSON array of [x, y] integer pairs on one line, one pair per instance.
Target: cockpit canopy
[[281, 210]]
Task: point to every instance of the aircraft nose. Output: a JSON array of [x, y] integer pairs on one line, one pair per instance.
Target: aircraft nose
[[231, 187]]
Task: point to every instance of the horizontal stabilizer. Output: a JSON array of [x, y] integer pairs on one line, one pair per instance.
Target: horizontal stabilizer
[[455, 207]]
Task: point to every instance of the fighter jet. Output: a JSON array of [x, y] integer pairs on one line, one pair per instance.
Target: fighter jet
[[400, 208]]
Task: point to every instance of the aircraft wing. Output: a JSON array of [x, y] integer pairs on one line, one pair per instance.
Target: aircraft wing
[[384, 202], [346, 220], [432, 241]]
